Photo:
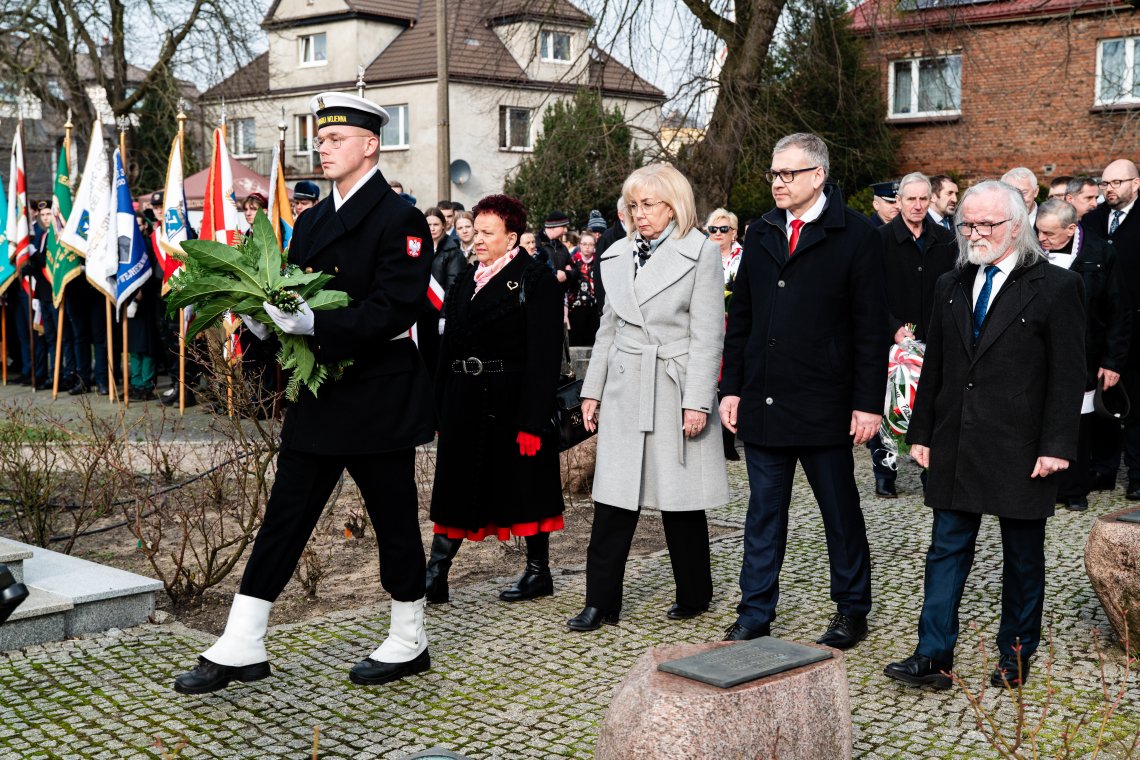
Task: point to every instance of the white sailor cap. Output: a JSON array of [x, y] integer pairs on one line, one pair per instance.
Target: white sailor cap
[[332, 108]]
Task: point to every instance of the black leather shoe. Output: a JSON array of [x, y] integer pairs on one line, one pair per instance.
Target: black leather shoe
[[844, 632], [681, 612], [1102, 481], [738, 632], [209, 676], [1007, 672], [885, 488], [78, 389], [920, 670], [1133, 493], [591, 619], [535, 580], [369, 672], [1078, 504]]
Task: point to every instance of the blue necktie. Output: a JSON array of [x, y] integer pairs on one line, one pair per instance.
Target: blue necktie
[[983, 301], [1115, 222], [946, 224]]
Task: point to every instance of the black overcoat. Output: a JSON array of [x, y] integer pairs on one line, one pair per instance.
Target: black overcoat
[[1108, 318], [988, 413], [480, 477], [1126, 243], [911, 272], [807, 337], [378, 249]]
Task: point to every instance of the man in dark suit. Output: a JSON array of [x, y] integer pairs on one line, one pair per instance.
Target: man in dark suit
[[943, 201], [995, 417], [916, 251], [1117, 222], [805, 361], [885, 202], [1108, 327], [369, 421]]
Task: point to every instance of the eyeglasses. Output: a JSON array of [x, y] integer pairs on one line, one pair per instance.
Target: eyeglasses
[[985, 229], [1113, 183], [646, 207], [333, 142], [724, 230], [786, 175]]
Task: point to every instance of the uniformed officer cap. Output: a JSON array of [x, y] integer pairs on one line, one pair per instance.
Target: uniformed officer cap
[[886, 190], [338, 108], [306, 191], [156, 198]]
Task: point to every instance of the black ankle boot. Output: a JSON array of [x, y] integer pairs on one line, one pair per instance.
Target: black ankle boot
[[443, 550], [536, 580]]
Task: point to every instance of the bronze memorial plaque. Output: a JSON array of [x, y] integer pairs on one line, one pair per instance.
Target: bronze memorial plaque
[[746, 661]]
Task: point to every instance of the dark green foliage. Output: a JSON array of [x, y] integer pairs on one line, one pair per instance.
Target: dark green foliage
[[149, 147], [579, 162]]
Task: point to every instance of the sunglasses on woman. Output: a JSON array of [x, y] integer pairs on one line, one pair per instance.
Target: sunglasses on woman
[[725, 229]]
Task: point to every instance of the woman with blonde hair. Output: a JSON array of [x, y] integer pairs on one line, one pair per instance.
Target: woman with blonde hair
[[721, 228], [649, 390]]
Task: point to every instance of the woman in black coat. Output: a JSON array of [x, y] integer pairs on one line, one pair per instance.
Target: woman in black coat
[[497, 470]]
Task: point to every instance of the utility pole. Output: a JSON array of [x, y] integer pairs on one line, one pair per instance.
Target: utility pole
[[443, 126]]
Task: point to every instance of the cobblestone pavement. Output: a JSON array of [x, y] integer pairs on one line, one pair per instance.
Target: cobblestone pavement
[[509, 681]]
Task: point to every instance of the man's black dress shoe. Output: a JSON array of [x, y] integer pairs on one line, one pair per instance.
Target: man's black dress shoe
[[1102, 481], [920, 670], [1077, 504], [844, 632], [210, 676], [591, 619], [738, 632], [681, 612], [885, 488], [369, 672], [78, 389], [1133, 493], [531, 585], [1007, 672]]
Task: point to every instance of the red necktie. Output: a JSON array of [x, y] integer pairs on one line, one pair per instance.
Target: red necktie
[[797, 224]]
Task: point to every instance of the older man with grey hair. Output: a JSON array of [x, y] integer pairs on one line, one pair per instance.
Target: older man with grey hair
[[916, 251], [995, 417], [1025, 182]]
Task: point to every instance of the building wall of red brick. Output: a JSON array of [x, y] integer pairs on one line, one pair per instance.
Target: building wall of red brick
[[1028, 94]]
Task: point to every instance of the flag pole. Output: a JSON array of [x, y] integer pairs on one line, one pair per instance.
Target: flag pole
[[4, 342], [181, 312], [62, 305], [30, 280], [281, 128], [124, 124]]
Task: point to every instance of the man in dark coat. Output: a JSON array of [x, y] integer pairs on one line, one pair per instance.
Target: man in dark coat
[[1117, 222], [378, 249], [885, 202], [616, 230], [916, 252], [805, 359], [1108, 326], [995, 417], [552, 251]]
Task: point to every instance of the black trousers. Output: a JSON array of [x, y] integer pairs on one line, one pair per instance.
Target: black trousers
[[301, 489], [686, 535]]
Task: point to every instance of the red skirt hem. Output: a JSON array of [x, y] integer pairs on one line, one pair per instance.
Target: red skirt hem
[[546, 525]]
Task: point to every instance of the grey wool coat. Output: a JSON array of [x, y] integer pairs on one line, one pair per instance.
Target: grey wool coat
[[657, 352]]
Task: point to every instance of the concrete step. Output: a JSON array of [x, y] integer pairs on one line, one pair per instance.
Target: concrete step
[[71, 596], [13, 554]]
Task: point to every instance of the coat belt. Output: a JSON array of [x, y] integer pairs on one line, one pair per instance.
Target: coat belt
[[651, 353]]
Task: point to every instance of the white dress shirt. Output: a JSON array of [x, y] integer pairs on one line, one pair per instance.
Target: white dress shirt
[[339, 200], [808, 217], [1005, 266]]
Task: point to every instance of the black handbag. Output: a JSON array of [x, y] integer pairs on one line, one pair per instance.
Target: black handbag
[[568, 419]]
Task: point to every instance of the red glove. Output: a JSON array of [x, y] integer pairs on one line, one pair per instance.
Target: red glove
[[529, 444]]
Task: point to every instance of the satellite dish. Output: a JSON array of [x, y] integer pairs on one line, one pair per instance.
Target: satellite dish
[[460, 171]]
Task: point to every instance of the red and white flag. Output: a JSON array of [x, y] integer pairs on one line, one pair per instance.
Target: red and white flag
[[219, 208], [19, 229]]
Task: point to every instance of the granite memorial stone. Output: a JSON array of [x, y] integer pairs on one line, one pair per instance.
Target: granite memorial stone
[[728, 666], [1112, 559]]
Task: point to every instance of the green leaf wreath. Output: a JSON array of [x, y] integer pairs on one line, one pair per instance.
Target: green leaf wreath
[[218, 278]]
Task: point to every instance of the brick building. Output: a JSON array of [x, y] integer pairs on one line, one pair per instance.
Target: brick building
[[976, 88]]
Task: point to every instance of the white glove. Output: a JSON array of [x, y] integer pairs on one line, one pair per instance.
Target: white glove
[[441, 321], [300, 323], [132, 309], [36, 310], [260, 331]]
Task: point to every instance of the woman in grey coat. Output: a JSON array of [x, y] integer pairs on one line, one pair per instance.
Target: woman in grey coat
[[649, 390]]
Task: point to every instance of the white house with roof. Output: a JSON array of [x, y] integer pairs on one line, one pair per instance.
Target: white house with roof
[[508, 60]]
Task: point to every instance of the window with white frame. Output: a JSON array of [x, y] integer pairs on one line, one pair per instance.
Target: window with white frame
[[395, 132], [926, 86], [243, 140], [314, 49], [514, 128], [1117, 79], [303, 130], [554, 47]]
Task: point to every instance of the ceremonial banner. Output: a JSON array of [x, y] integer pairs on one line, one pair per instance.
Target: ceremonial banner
[[7, 269], [175, 227], [219, 207], [18, 228], [88, 228], [63, 264], [280, 211], [133, 265]]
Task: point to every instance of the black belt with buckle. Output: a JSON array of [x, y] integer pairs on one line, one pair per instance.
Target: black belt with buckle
[[475, 366]]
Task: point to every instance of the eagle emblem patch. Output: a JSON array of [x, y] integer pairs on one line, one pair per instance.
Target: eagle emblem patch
[[414, 246]]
